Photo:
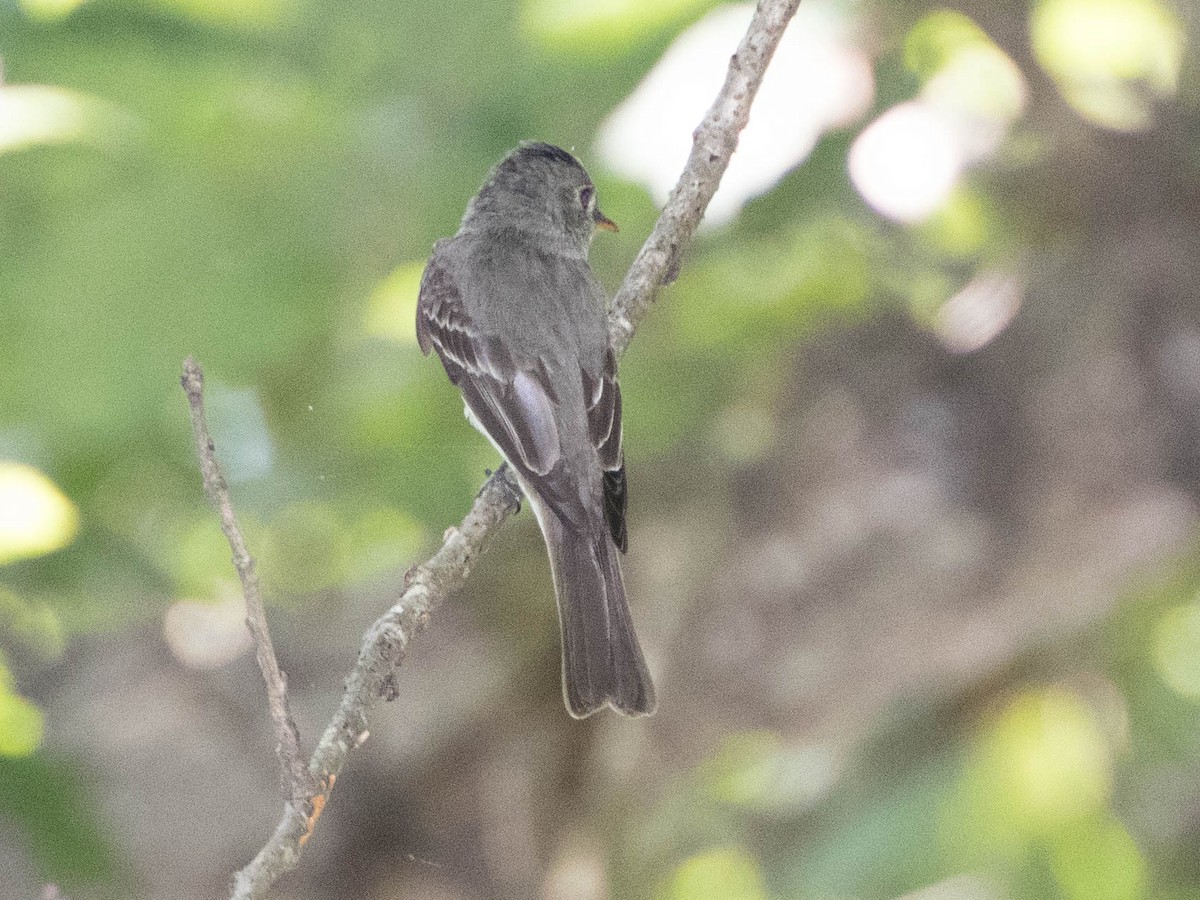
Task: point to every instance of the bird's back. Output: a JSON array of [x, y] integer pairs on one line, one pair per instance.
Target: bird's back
[[552, 303]]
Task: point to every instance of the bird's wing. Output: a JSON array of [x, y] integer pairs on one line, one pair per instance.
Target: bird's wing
[[602, 395], [443, 324], [603, 398], [516, 407]]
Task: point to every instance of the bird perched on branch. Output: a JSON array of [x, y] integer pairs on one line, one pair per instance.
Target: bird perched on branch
[[513, 310]]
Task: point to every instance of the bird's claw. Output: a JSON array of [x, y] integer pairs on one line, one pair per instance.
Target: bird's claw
[[512, 492]]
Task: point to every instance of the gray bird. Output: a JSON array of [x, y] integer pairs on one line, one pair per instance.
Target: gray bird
[[513, 310]]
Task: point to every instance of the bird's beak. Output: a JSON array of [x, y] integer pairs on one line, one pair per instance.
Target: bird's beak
[[603, 221]]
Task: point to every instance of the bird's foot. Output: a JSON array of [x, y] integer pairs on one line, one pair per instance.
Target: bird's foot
[[508, 487]]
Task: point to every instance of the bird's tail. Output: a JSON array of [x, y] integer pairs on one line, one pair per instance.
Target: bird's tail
[[602, 663]]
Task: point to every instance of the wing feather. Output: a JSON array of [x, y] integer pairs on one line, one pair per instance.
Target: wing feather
[[604, 413], [517, 409], [444, 325], [604, 428]]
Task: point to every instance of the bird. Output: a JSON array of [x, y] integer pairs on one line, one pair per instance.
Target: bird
[[517, 317]]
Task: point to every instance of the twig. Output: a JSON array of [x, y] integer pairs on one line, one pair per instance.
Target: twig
[[386, 642], [383, 649], [297, 786]]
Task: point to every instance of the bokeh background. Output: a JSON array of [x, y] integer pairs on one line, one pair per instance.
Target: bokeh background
[[913, 443]]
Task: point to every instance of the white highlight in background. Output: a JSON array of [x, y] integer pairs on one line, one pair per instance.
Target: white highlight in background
[[819, 80], [207, 635], [906, 162], [979, 312]]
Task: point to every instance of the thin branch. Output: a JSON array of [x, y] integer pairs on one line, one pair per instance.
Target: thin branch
[[426, 586], [713, 143], [294, 778], [384, 648]]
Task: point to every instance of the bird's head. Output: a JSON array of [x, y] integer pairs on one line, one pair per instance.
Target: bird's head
[[544, 190]]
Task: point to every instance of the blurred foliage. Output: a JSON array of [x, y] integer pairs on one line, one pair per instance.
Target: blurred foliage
[[37, 518], [49, 798], [1113, 58], [258, 182]]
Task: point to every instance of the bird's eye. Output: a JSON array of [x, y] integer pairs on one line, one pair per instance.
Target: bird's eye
[[585, 196]]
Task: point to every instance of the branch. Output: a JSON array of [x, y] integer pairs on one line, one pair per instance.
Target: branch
[[383, 649], [426, 586], [713, 143], [293, 772]]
